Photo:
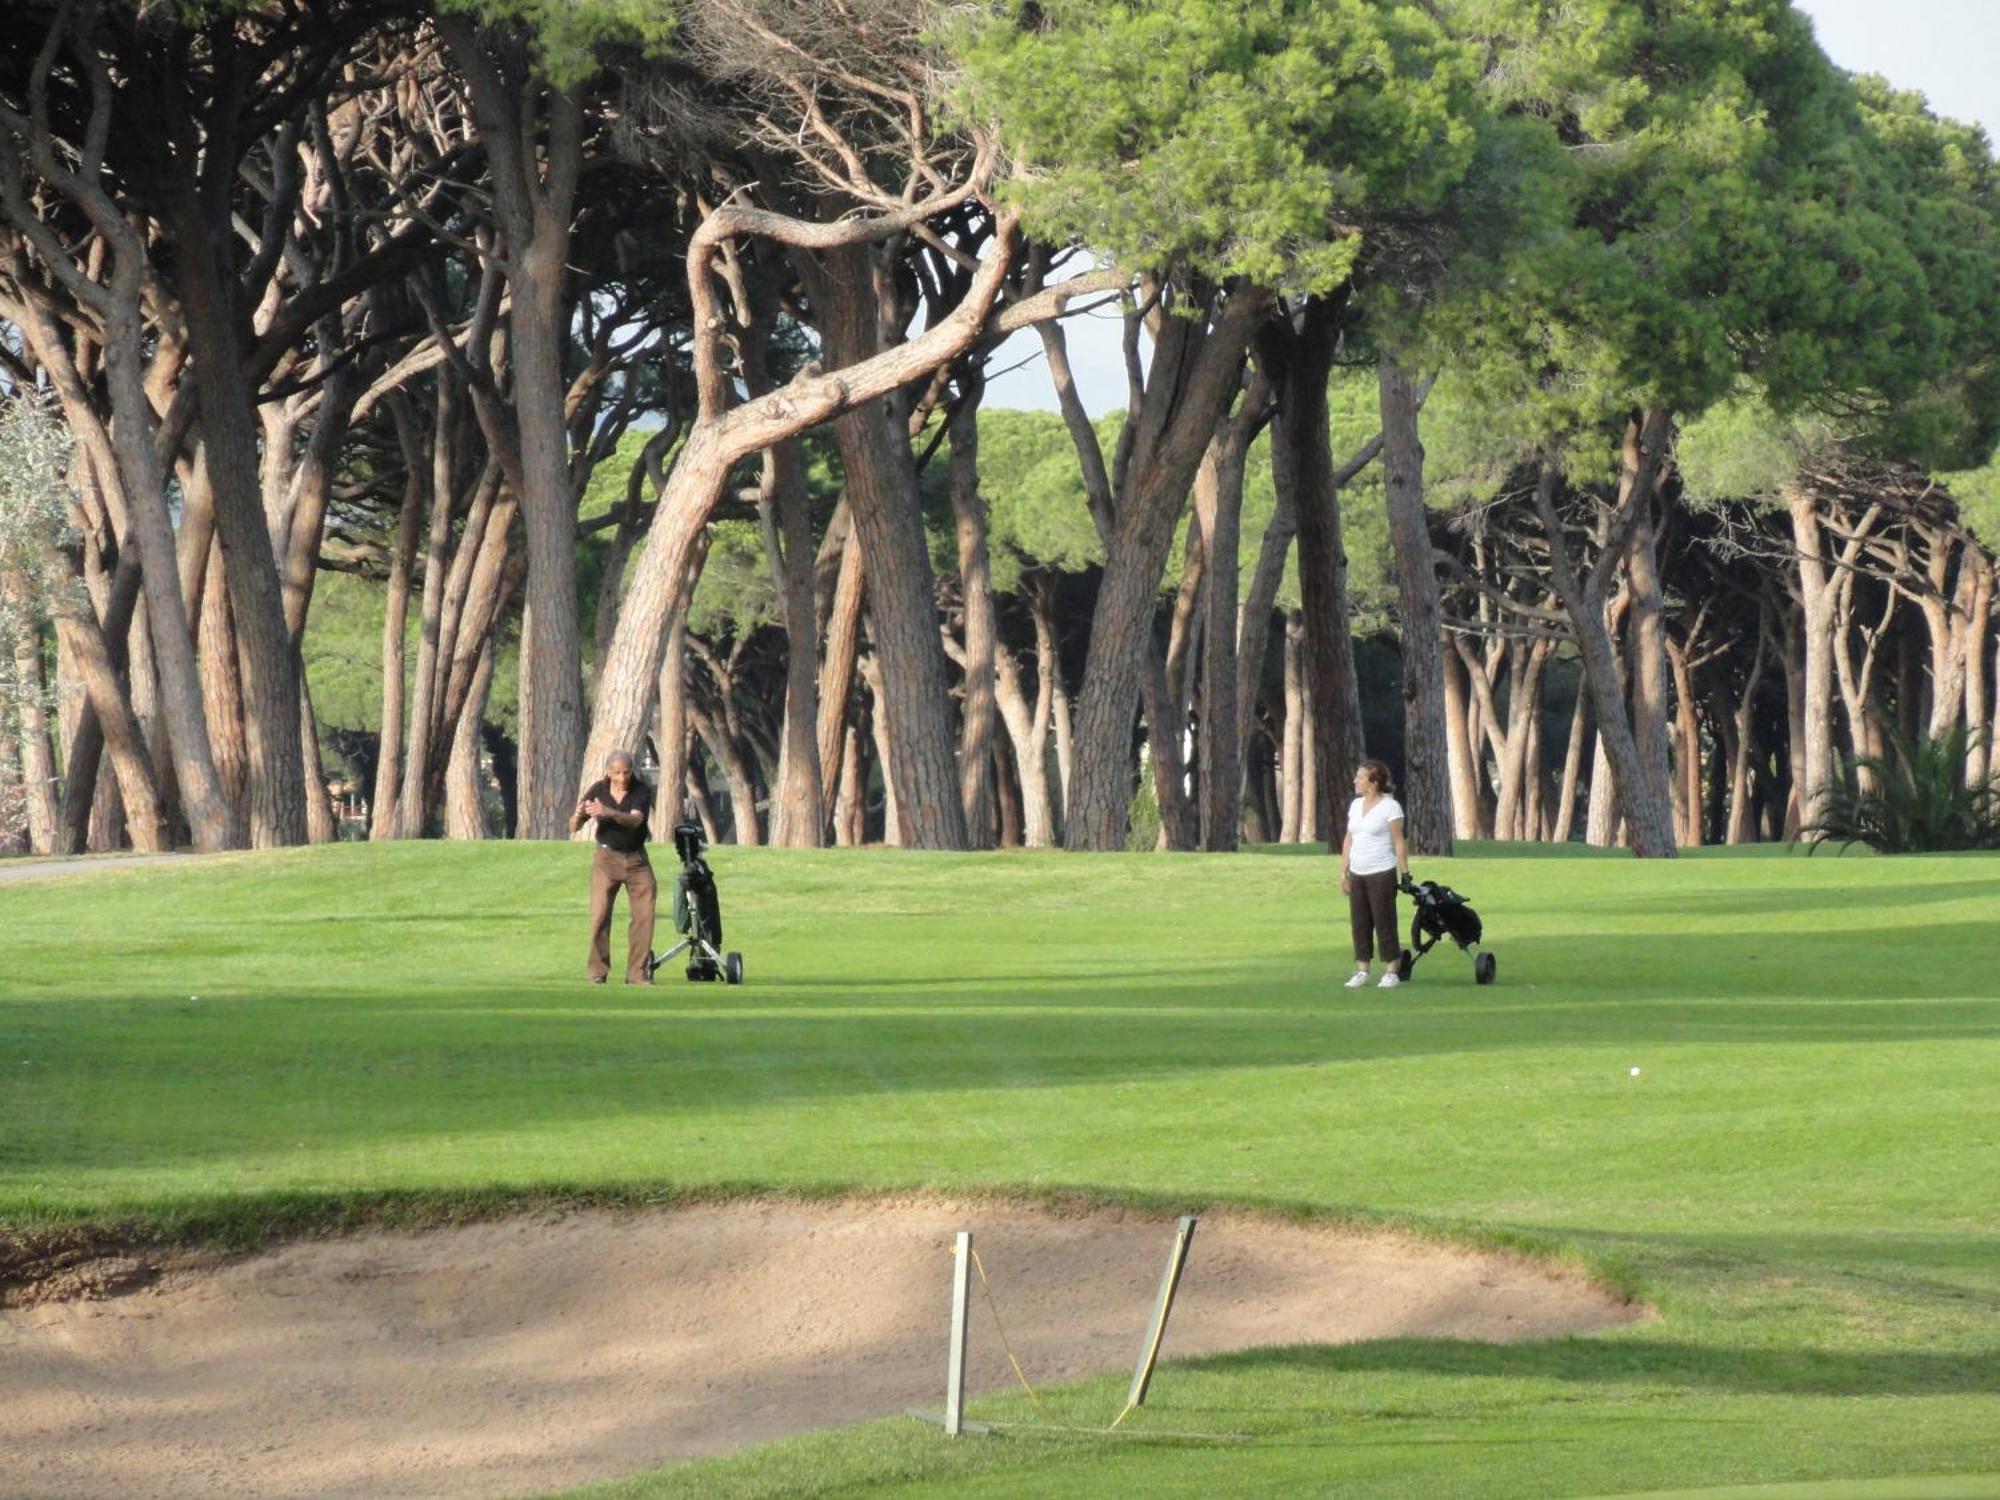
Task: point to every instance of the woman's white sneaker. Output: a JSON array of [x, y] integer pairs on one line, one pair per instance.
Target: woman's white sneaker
[[1389, 981], [1360, 978]]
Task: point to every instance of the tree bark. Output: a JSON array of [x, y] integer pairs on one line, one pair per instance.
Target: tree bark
[[42, 809], [1461, 749], [1195, 372], [1302, 464], [226, 419], [1649, 672], [1572, 766], [798, 798], [222, 697], [1427, 784], [80, 635], [1815, 593], [464, 784], [1645, 815], [976, 746], [533, 134], [395, 622], [843, 645], [1219, 509]]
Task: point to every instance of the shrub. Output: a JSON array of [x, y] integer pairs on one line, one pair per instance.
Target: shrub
[[1916, 800]]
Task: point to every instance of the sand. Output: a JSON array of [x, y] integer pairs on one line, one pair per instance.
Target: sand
[[527, 1355]]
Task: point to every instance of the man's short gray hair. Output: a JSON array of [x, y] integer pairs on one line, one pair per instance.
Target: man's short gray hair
[[618, 756]]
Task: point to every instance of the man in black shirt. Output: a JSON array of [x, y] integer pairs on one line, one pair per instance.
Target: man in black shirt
[[621, 802]]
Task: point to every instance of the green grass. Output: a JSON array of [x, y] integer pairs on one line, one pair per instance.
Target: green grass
[[1804, 1178]]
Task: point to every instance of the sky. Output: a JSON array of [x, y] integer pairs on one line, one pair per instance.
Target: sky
[[1948, 49]]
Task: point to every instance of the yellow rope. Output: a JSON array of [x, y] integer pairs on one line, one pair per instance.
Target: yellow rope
[[993, 1307], [1000, 1327]]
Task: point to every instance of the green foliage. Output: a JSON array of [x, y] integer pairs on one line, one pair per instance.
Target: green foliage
[[568, 34], [1222, 138], [1916, 800], [736, 593], [1142, 821]]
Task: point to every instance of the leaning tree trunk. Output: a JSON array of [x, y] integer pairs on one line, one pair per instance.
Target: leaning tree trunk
[[1427, 772], [843, 645], [1645, 814], [81, 637], [1572, 766], [882, 497], [1461, 749], [464, 785], [975, 756], [1026, 722]]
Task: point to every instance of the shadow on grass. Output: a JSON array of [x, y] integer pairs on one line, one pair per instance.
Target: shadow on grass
[[1635, 1361]]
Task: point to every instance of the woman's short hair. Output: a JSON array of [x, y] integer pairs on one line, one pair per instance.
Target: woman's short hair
[[1379, 774]]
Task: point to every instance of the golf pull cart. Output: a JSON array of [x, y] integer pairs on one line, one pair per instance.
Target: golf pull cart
[[697, 914], [1441, 913]]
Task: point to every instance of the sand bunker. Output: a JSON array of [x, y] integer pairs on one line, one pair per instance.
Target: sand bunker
[[517, 1357]]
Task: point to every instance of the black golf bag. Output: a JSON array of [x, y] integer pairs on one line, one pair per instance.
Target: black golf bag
[[698, 913], [1442, 913]]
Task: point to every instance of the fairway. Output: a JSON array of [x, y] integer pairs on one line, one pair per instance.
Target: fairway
[[1803, 1178]]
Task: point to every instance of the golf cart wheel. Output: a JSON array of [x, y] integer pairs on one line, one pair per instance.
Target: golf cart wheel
[[733, 967], [1405, 961], [1483, 967]]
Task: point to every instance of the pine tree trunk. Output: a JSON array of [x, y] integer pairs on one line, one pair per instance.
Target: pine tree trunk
[[464, 785], [670, 738], [1219, 508], [210, 821], [1687, 746], [887, 512], [1196, 371], [882, 731], [1977, 627], [274, 756], [42, 809], [1742, 824], [726, 753], [1651, 727], [843, 644], [322, 826], [395, 623], [1291, 756], [222, 697], [1166, 730], [976, 745], [847, 806], [1427, 771], [1467, 808], [1253, 632], [1816, 608], [1302, 470], [798, 798], [1645, 815], [1050, 690], [1572, 766], [1026, 732], [80, 636]]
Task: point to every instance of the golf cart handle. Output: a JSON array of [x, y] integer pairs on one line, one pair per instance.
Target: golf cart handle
[[1406, 885]]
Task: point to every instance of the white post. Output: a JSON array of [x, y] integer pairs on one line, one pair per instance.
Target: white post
[[961, 1307]]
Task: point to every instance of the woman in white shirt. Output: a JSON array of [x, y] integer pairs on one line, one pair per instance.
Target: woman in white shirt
[[1372, 856]]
